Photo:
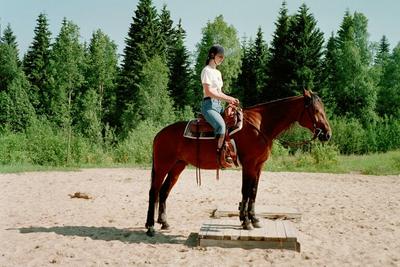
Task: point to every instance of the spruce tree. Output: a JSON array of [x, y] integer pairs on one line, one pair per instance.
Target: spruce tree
[[168, 33], [383, 52], [180, 82], [8, 38], [389, 93], [329, 73], [305, 51], [36, 64], [279, 66], [253, 76], [16, 111], [143, 42]]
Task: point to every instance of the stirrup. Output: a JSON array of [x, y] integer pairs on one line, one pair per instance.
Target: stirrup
[[223, 160]]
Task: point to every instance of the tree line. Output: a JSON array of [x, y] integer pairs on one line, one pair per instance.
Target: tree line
[[81, 89]]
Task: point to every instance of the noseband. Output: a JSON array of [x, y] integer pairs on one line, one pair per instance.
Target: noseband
[[308, 105]]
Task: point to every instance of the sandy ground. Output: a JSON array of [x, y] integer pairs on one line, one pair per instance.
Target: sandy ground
[[347, 219]]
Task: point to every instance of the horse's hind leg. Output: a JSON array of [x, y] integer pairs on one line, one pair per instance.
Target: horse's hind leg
[[172, 178], [156, 182]]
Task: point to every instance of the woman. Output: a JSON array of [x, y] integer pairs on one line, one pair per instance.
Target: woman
[[211, 108]]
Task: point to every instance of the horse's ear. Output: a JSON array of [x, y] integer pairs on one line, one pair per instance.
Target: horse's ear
[[306, 93]]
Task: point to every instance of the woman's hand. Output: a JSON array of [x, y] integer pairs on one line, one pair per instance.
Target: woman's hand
[[233, 101]]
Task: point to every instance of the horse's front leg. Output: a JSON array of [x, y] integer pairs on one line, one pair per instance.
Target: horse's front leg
[[250, 181], [252, 200]]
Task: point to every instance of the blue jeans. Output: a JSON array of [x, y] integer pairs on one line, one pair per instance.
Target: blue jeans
[[212, 110]]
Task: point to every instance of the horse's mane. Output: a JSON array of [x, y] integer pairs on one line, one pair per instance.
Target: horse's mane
[[314, 98]]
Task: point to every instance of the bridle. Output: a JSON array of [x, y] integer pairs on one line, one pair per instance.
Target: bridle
[[316, 130]]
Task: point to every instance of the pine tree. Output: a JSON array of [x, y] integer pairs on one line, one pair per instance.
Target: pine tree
[[180, 82], [279, 66], [143, 42], [36, 63], [219, 32]]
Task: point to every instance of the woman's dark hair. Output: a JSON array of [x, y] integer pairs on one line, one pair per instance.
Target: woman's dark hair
[[214, 50]]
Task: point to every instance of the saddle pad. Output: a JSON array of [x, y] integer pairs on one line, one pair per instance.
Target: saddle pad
[[210, 135]]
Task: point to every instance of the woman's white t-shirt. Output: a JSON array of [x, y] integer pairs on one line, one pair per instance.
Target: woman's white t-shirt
[[212, 77]]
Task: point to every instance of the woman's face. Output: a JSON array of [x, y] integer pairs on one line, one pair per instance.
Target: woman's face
[[219, 58]]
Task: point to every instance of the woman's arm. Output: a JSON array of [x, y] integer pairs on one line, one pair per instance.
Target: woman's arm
[[212, 92]]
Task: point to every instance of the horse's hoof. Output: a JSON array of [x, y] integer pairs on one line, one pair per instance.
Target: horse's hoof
[[165, 226], [256, 223], [150, 231], [247, 225]]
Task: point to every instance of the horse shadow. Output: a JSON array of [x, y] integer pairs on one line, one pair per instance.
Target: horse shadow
[[127, 235]]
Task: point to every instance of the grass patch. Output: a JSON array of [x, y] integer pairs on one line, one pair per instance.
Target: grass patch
[[373, 164]]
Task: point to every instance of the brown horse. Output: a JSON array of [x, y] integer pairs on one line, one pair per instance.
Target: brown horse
[[262, 124]]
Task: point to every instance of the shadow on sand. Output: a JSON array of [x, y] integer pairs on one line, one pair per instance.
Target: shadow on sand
[[129, 235]]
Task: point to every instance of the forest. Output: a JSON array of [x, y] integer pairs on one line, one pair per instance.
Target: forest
[[71, 103]]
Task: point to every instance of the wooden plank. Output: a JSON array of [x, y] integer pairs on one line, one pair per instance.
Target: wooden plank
[[248, 244], [290, 230], [280, 230], [270, 228], [233, 232], [270, 212], [229, 233], [258, 234]]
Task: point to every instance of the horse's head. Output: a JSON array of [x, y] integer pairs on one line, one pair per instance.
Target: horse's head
[[314, 118]]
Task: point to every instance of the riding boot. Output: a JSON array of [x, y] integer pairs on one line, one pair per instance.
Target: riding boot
[[223, 157]]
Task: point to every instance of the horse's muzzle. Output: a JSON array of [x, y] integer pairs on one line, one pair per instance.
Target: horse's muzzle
[[324, 136]]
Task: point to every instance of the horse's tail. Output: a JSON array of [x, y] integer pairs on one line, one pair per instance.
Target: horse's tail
[[153, 175]]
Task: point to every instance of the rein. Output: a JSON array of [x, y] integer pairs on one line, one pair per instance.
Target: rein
[[317, 131]]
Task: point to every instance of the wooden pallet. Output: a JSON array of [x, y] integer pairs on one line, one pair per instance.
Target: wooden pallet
[[269, 212], [228, 233]]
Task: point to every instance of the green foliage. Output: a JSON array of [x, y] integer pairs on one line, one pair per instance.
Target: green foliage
[[97, 101], [350, 82], [137, 146], [219, 32], [153, 102], [66, 70], [90, 111]]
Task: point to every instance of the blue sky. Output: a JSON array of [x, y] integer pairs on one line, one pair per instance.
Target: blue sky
[[114, 17]]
